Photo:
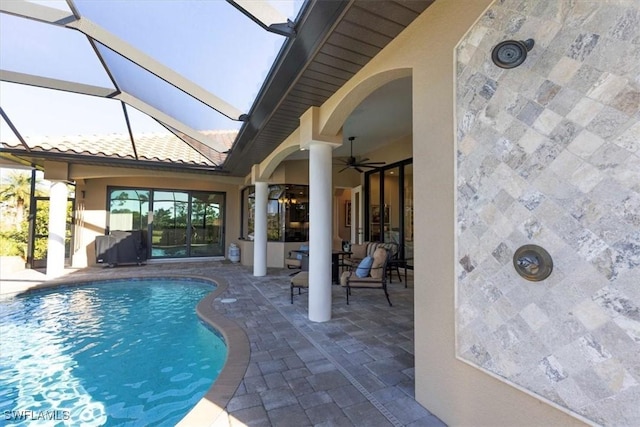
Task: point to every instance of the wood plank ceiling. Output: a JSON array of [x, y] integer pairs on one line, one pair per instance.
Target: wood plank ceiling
[[361, 29]]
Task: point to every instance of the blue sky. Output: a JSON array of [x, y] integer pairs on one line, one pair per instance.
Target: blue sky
[[209, 42]]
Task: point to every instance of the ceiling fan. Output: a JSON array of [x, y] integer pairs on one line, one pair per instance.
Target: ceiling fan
[[352, 163]]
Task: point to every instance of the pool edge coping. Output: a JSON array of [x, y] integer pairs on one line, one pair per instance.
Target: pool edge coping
[[214, 402]]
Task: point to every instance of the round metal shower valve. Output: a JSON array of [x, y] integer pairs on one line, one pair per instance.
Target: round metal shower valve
[[533, 262], [511, 53]]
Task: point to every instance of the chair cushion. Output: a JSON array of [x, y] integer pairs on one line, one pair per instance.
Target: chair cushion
[[302, 248], [300, 280], [371, 248], [344, 276], [365, 282], [379, 257], [364, 267], [351, 262], [359, 251], [391, 247], [292, 262]]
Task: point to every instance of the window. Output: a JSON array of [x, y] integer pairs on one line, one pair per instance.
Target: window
[[287, 213], [128, 209], [176, 223]]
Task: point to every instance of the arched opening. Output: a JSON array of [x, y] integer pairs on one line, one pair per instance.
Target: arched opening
[[382, 152]]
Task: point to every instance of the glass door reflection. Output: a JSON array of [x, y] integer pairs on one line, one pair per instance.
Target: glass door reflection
[[207, 225], [169, 228], [391, 211], [389, 197], [374, 213], [408, 215]]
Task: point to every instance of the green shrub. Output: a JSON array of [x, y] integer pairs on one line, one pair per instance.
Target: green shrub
[[13, 243]]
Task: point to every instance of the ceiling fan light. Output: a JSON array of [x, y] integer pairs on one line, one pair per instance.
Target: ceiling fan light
[[353, 163]]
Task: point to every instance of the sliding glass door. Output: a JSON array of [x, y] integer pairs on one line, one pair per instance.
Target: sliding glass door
[[177, 223], [128, 209], [392, 213], [407, 237], [389, 197], [374, 231], [169, 228], [207, 224]]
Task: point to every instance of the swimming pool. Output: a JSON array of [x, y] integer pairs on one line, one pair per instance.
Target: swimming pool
[[125, 352]]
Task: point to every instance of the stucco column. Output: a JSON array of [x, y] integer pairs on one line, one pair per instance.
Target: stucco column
[[320, 233], [260, 230], [57, 228]]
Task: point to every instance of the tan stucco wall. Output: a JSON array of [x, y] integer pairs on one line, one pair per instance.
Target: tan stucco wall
[[91, 206], [296, 172], [277, 252], [454, 391], [548, 156], [395, 151]]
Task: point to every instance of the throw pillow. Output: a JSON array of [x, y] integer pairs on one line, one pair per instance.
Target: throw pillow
[[302, 248], [364, 267]]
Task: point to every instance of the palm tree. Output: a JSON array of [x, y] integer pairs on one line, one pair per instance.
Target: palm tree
[[17, 191]]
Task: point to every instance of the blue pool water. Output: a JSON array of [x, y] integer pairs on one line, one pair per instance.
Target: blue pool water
[[130, 352]]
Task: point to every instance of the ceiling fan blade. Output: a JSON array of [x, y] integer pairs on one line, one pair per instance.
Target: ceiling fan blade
[[358, 169], [366, 159], [372, 163], [343, 169]]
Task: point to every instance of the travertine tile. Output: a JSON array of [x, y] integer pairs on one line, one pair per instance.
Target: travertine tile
[[534, 317], [585, 111], [564, 70], [547, 121], [627, 101], [563, 146], [586, 177], [607, 87], [608, 123], [585, 144]]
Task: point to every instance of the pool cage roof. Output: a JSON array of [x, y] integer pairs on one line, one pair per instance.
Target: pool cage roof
[[204, 85]]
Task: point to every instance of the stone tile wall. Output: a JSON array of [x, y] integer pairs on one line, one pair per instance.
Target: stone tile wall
[[549, 154]]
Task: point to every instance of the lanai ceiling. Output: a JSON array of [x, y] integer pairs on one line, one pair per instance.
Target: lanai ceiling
[[180, 83]]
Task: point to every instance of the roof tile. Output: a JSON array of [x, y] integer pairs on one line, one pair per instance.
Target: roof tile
[[159, 147]]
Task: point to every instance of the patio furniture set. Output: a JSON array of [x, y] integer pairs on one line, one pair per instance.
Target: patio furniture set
[[366, 265]]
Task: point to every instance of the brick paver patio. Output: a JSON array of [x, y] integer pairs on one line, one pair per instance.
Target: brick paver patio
[[355, 370]]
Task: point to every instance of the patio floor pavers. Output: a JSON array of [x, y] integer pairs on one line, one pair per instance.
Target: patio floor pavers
[[354, 370]]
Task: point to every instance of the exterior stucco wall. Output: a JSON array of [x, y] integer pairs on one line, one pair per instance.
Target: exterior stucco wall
[[396, 151], [453, 390], [456, 391], [91, 206], [548, 155]]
